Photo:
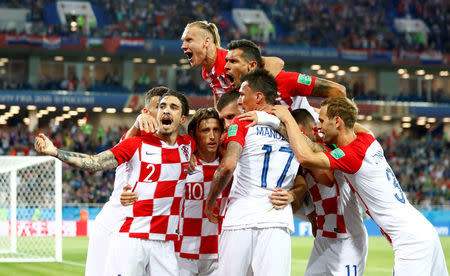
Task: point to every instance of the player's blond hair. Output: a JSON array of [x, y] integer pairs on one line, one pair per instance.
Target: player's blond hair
[[345, 108], [208, 29]]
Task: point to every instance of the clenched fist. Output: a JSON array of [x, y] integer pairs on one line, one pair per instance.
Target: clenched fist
[[43, 145]]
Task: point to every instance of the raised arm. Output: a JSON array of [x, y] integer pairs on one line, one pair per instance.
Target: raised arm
[[221, 178], [327, 89], [102, 161], [302, 149], [273, 64]]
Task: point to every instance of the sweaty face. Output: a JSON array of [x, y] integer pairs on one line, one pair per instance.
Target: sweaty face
[[170, 116], [235, 66], [194, 45], [228, 113], [247, 98], [152, 108], [207, 135], [327, 126]]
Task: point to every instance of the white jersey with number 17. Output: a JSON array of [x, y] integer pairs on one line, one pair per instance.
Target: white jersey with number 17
[[266, 162]]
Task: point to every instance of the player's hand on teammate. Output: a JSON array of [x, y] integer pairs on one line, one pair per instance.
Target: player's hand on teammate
[[282, 112], [281, 198], [146, 122], [212, 211], [43, 145], [261, 118], [249, 116], [192, 163], [128, 198]]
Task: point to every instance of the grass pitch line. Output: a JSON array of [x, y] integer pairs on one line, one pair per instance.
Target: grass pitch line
[[73, 263]]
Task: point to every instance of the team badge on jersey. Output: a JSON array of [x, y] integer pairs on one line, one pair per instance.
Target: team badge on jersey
[[337, 153], [304, 79], [185, 151], [232, 130]]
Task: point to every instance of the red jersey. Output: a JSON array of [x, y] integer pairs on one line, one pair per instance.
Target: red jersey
[[157, 174], [217, 79]]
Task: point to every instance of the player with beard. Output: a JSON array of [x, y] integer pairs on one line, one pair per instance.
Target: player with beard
[[201, 45], [144, 243]]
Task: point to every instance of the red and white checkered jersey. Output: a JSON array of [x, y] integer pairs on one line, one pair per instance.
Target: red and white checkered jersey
[[266, 162], [216, 78], [365, 168], [158, 173], [200, 238], [336, 207]]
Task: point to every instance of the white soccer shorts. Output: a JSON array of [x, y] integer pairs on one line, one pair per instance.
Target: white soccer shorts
[[99, 243], [139, 257], [338, 256], [265, 251], [194, 267]]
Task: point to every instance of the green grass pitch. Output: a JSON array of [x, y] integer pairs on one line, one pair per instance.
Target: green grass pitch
[[379, 261]]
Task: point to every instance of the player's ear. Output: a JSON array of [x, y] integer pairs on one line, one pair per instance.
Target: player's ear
[[252, 65], [207, 41], [145, 111], [259, 97], [183, 119]]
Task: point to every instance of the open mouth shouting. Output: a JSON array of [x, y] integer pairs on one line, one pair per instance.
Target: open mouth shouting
[[189, 55], [231, 79], [166, 122]]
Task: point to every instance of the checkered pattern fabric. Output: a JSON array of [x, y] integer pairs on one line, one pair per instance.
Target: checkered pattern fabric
[[199, 237], [330, 216], [158, 173], [217, 79]]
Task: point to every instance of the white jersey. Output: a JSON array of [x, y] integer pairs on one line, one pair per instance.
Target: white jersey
[[365, 168], [266, 162]]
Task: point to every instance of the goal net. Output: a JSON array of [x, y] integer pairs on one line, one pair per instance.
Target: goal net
[[30, 209]]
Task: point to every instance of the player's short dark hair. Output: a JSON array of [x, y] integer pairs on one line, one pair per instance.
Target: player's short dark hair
[[250, 51], [342, 107], [157, 91], [181, 97], [261, 80], [200, 115], [303, 117], [226, 99]]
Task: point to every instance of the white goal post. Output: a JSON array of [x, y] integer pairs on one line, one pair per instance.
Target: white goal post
[[30, 209]]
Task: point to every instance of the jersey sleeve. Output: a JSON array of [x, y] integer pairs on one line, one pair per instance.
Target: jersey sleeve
[[237, 131], [296, 84], [345, 160], [125, 150]]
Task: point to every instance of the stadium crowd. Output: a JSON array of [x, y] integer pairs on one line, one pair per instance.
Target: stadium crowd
[[325, 23], [422, 165]]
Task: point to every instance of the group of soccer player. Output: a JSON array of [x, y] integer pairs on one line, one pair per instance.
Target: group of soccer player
[[221, 200]]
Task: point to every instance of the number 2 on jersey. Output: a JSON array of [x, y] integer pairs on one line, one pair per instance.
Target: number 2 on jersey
[[268, 149], [390, 176]]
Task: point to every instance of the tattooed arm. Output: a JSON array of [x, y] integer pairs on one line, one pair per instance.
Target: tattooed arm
[[327, 89], [221, 178], [102, 161]]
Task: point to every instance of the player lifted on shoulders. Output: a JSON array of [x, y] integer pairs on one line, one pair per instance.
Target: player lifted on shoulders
[[255, 235], [360, 159], [144, 244]]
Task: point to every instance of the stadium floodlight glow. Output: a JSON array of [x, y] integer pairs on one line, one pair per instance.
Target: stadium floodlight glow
[[353, 69], [443, 73], [340, 73], [90, 58], [51, 108], [184, 61], [66, 116], [406, 119], [66, 108], [405, 76], [31, 107], [110, 110], [14, 111], [43, 111], [446, 120], [401, 71], [321, 72], [81, 109], [137, 60], [427, 125], [431, 120], [330, 75], [369, 118], [4, 60], [59, 58], [386, 118], [429, 77], [73, 113], [151, 60], [315, 67], [361, 117], [406, 125], [334, 68], [14, 107], [2, 64], [2, 122], [81, 122], [2, 106], [421, 118], [105, 59], [421, 122], [97, 109], [191, 112], [127, 110], [420, 72], [73, 24], [39, 115]]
